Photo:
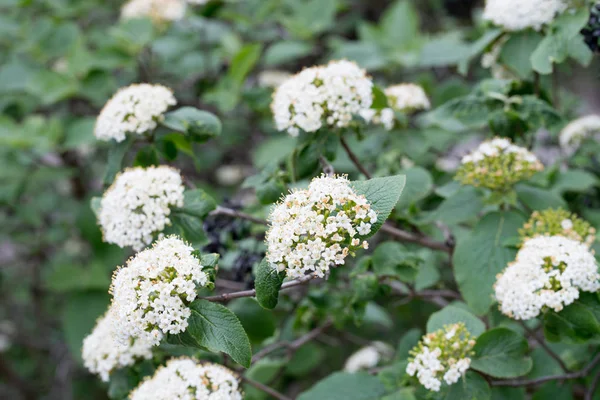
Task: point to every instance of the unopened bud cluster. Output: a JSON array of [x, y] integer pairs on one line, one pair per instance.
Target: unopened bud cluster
[[497, 164], [560, 222], [442, 356]]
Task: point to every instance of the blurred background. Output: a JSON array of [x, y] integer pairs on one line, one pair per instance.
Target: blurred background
[[61, 60]]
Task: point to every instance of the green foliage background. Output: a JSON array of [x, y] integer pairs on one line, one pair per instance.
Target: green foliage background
[[61, 60]]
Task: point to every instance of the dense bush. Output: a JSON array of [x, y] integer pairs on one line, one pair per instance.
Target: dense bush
[[299, 199]]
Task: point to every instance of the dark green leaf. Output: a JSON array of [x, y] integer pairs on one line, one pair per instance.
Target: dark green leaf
[[267, 283], [213, 327], [451, 315], [473, 387], [200, 125], [116, 154], [345, 386], [501, 353], [197, 203]]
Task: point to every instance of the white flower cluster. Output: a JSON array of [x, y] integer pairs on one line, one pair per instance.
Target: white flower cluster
[[442, 354], [319, 95], [367, 357], [185, 379], [314, 228], [407, 97], [384, 117], [135, 109], [157, 10], [516, 15], [497, 147], [490, 60], [549, 272], [151, 295], [136, 206], [102, 353], [576, 131]]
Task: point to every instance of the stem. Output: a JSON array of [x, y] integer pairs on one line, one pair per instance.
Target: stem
[[354, 159], [252, 292], [543, 344], [532, 382], [265, 388], [412, 238], [589, 394], [220, 210]]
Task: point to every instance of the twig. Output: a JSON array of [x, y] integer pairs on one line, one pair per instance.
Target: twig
[[252, 292], [412, 238], [270, 391], [17, 381], [589, 393], [294, 345], [532, 382], [542, 343], [220, 210], [354, 159]]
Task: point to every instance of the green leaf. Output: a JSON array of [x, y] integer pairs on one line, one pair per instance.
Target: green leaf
[[383, 195], [379, 99], [575, 180], [267, 283], [501, 353], [577, 323], [116, 155], [479, 257], [187, 226], [197, 203], [461, 206], [200, 125], [516, 52], [286, 51], [121, 383], [258, 323], [393, 259], [95, 203], [473, 387], [215, 328], [345, 386], [539, 199], [264, 371], [409, 340], [402, 394], [451, 315], [418, 185]]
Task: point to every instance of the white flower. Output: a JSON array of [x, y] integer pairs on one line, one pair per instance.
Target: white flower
[[407, 97], [497, 147], [516, 15], [384, 117], [273, 78], [152, 293], [185, 379], [457, 370], [133, 109], [102, 353], [322, 95], [313, 229], [576, 131], [566, 224], [549, 272], [137, 205], [367, 357], [157, 10]]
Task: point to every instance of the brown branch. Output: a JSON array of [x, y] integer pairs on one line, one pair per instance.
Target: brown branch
[[536, 381], [270, 391], [354, 159], [543, 344], [589, 393], [220, 210], [252, 292], [293, 345], [413, 238]]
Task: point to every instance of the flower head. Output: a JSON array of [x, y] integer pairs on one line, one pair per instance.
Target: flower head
[[137, 205], [576, 131], [553, 222], [133, 109], [322, 95], [407, 97], [102, 353], [151, 295], [157, 10], [548, 273], [318, 227], [443, 355], [384, 117], [186, 379], [497, 164], [516, 15]]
